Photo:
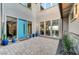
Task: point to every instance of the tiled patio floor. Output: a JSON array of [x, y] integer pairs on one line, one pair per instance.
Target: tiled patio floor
[[33, 46]]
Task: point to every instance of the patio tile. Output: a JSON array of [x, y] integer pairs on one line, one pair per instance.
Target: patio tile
[[33, 46]]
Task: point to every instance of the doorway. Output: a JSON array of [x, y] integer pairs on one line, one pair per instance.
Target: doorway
[[42, 28], [11, 27], [29, 27], [47, 28], [55, 28], [22, 29]]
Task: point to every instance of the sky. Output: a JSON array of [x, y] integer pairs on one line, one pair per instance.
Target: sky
[[47, 5]]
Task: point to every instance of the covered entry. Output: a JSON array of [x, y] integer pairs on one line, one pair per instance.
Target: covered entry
[[11, 27]]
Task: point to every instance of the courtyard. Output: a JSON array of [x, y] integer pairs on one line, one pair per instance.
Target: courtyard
[[32, 46]]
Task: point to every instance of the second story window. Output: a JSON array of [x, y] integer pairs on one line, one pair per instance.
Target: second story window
[[27, 5]]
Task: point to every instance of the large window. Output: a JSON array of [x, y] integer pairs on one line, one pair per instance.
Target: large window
[[28, 5], [51, 28]]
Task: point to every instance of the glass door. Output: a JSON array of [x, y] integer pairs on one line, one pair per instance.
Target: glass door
[[42, 28], [29, 27], [11, 27], [55, 28], [48, 27]]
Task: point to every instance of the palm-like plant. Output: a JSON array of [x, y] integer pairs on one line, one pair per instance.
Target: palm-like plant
[[67, 44], [4, 37], [4, 40]]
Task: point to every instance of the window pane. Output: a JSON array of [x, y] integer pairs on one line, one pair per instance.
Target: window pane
[[48, 27], [55, 28]]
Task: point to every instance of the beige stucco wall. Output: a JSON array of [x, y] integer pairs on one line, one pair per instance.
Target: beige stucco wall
[[49, 14], [74, 26], [17, 10], [65, 25], [35, 21]]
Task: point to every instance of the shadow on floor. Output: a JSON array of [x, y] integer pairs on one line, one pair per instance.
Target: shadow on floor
[[60, 49]]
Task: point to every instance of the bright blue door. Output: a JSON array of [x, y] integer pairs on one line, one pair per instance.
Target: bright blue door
[[22, 28]]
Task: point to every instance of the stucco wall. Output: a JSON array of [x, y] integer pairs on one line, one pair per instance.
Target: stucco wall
[[17, 10], [74, 26], [49, 14], [65, 25], [35, 21]]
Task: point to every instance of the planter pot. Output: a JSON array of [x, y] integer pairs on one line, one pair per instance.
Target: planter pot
[[36, 34], [4, 42], [33, 35], [30, 36], [14, 41]]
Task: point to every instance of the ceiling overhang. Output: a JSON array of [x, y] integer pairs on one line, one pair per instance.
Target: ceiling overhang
[[65, 9]]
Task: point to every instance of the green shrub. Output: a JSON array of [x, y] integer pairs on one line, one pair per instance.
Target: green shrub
[[67, 43], [4, 37]]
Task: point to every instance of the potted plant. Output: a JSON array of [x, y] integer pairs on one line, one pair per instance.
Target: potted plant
[[14, 39], [4, 40], [30, 36], [36, 33], [33, 35]]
